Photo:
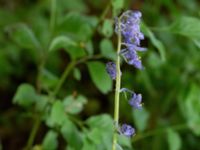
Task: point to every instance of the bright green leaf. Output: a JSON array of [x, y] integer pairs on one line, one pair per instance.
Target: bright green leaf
[[107, 28], [99, 76], [141, 118], [50, 141], [74, 105], [71, 134], [117, 6], [61, 42], [57, 114], [25, 95], [101, 121], [107, 49], [191, 108], [174, 140]]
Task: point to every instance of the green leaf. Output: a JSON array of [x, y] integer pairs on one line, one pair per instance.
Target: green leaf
[[187, 26], [77, 26], [101, 121], [70, 46], [124, 141], [25, 95], [101, 131], [61, 42], [174, 140], [88, 145], [141, 118], [77, 74], [99, 76], [157, 43], [191, 108], [48, 79], [50, 141], [107, 28], [74, 105], [118, 147], [117, 6], [23, 36], [107, 49], [71, 134], [57, 114]]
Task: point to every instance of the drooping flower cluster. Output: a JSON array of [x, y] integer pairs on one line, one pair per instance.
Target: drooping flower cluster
[[129, 29]]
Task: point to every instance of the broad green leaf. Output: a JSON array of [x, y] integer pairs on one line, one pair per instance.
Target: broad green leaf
[[101, 131], [141, 118], [61, 42], [191, 108], [107, 49], [70, 46], [50, 141], [71, 134], [118, 147], [88, 145], [42, 103], [74, 105], [107, 28], [57, 114], [174, 140], [117, 6], [99, 76], [23, 36], [25, 95], [187, 26], [77, 26], [157, 43], [77, 74], [124, 141]]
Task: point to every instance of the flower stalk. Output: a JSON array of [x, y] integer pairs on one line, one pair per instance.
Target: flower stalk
[[117, 87]]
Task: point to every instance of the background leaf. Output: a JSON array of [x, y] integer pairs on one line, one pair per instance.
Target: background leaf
[[174, 140], [25, 95], [23, 36], [50, 141], [99, 76]]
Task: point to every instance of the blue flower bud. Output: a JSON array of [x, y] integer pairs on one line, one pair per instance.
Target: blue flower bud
[[111, 69], [127, 130]]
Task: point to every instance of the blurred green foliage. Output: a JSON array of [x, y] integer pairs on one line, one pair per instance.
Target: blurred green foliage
[[55, 93]]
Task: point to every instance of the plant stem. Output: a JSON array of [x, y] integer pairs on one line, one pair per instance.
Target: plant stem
[[33, 133], [53, 16], [117, 87], [63, 77]]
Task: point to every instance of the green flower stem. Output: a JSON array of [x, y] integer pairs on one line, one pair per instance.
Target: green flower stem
[[117, 88], [33, 133], [53, 16], [63, 77]]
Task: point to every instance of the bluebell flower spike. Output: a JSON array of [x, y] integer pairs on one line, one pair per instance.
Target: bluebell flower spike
[[130, 31]]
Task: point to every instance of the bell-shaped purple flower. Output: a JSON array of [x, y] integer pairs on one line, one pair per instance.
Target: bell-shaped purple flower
[[129, 28], [127, 130], [136, 101], [111, 69]]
